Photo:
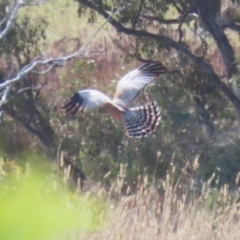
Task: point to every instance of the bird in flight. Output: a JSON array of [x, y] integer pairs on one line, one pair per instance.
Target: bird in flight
[[139, 121]]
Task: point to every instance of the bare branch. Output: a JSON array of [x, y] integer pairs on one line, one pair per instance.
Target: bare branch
[[93, 36], [37, 62], [185, 18], [28, 68], [207, 68], [4, 99], [233, 26], [45, 71], [28, 88], [137, 15], [4, 95], [180, 26], [11, 19], [53, 62]]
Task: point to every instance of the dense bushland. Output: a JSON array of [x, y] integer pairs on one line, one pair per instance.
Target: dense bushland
[[198, 121]]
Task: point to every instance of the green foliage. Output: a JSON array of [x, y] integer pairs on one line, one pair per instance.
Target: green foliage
[[97, 144], [34, 204], [196, 117]]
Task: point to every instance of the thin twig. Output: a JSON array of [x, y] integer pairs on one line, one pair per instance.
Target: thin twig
[[50, 61], [11, 19]]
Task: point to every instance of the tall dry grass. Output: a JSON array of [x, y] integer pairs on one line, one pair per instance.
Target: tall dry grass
[[149, 210], [175, 214]]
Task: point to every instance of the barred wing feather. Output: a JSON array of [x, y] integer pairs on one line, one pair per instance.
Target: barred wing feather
[[141, 121]]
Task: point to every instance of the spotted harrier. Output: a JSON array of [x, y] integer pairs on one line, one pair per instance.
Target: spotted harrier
[[139, 121]]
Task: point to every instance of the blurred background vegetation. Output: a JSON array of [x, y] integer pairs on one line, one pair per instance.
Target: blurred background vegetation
[[197, 140], [34, 204], [198, 122]]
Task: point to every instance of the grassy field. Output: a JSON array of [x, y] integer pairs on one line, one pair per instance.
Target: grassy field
[[145, 215], [35, 204]]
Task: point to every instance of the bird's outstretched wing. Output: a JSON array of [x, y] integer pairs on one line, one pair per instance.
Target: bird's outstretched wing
[[87, 99], [134, 82]]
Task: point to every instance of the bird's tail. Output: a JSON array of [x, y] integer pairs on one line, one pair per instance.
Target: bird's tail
[[141, 121]]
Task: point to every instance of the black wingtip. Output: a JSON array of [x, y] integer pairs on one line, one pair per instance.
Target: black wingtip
[[74, 104], [153, 67]]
